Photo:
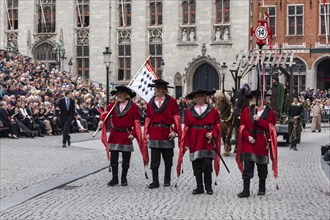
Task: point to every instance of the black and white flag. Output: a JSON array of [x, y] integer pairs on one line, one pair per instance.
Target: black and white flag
[[142, 79]]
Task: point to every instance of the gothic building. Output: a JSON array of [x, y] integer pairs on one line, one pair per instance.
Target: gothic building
[[193, 38]]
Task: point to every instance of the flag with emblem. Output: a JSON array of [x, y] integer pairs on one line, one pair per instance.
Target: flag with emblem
[[142, 79]]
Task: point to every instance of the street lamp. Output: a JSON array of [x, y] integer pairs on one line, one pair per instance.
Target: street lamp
[[59, 52], [223, 70], [70, 65], [106, 56], [162, 65]]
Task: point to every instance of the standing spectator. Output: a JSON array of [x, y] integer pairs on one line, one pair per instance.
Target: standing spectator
[[307, 110], [316, 116], [67, 110]]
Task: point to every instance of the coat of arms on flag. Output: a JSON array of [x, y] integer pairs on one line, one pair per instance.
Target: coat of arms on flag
[[142, 79]]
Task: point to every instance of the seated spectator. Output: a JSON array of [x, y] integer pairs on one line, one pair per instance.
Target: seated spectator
[[8, 121]]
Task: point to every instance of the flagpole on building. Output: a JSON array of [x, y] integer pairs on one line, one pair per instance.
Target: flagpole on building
[[325, 22]]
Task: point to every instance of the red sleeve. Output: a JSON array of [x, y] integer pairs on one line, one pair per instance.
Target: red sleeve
[[245, 132]]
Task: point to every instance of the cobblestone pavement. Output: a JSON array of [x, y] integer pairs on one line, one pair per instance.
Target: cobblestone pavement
[[303, 194], [26, 162]]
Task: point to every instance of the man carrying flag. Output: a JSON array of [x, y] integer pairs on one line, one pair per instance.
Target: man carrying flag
[[201, 134], [257, 127], [162, 113], [125, 118]]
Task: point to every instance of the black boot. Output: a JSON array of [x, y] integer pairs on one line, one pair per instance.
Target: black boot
[[246, 190], [295, 145], [114, 180], [208, 182], [167, 177], [292, 144], [123, 177], [199, 181], [262, 187], [155, 181]]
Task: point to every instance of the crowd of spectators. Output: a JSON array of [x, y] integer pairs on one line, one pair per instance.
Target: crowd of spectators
[[308, 99], [29, 94]]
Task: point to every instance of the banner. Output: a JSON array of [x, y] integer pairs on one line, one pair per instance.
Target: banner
[[142, 79]]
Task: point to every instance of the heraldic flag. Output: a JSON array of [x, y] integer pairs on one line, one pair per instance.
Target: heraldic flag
[[142, 79]]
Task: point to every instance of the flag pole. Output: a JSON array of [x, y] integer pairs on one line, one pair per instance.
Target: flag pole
[[325, 22]]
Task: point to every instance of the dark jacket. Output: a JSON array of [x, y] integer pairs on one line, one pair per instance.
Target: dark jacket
[[64, 113]]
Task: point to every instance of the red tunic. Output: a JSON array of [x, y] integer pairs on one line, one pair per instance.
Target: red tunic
[[123, 124], [257, 152], [198, 126], [159, 122]]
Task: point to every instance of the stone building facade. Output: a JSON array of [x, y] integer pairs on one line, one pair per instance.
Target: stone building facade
[[192, 37]]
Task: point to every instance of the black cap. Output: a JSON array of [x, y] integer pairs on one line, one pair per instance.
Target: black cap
[[254, 93], [160, 82], [203, 91], [124, 89]]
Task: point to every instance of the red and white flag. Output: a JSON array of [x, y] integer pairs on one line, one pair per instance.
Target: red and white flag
[[142, 79]]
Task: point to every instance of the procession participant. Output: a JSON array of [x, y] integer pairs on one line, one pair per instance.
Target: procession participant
[[253, 144], [125, 119], [162, 113], [278, 100], [201, 135], [296, 113], [316, 115]]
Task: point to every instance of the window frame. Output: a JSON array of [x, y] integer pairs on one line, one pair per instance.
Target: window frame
[[274, 17], [127, 11], [127, 66], [12, 22], [190, 13], [84, 7], [295, 22], [322, 17], [156, 58], [43, 27], [223, 11], [155, 4], [83, 58]]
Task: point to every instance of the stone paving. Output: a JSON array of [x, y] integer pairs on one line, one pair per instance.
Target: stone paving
[[303, 194]]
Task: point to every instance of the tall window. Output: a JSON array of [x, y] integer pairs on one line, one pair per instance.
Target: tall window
[[156, 52], [12, 16], [222, 10], [156, 13], [272, 19], [46, 16], [44, 52], [83, 61], [83, 13], [327, 13], [124, 61], [124, 13], [188, 12], [299, 76], [295, 19]]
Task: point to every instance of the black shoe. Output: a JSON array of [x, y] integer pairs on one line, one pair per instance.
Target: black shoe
[[319, 130], [124, 182], [295, 148], [69, 141], [113, 182], [153, 186], [64, 145], [197, 191], [209, 192], [261, 193], [244, 194], [167, 183], [313, 131], [40, 135]]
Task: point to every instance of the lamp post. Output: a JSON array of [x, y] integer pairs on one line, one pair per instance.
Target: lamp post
[[59, 52], [162, 64], [70, 64], [106, 56], [223, 70]]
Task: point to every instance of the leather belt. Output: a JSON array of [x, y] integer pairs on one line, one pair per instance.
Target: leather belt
[[161, 125], [258, 131], [208, 127], [123, 129]]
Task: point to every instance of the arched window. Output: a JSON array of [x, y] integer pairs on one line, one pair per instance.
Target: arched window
[[44, 52]]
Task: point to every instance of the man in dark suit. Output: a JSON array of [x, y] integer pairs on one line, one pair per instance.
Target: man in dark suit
[[67, 112]]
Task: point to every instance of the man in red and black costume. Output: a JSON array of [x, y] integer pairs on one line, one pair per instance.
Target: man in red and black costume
[[256, 137], [125, 119], [162, 113], [201, 135]]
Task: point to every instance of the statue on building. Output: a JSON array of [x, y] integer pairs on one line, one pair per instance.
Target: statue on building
[[226, 34], [217, 34], [192, 35], [184, 35]]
